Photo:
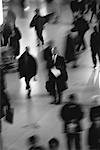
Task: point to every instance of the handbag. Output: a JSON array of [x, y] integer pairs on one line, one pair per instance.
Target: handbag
[[9, 115]]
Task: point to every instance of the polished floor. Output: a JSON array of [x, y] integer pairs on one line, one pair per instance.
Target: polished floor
[[36, 115]]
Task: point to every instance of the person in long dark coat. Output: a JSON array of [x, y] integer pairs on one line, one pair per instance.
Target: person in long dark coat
[[71, 114], [94, 129], [6, 33], [14, 40], [27, 67], [95, 45], [58, 83], [70, 48]]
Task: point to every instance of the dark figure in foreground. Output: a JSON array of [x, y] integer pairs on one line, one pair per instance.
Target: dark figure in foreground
[[94, 130], [27, 68], [57, 76], [95, 45], [72, 115]]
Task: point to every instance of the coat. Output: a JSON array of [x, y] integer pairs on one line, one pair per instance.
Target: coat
[[69, 112], [69, 49], [39, 21], [14, 41], [27, 68], [60, 80], [94, 132]]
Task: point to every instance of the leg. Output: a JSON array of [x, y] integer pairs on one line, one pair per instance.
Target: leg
[[39, 34], [69, 141], [94, 58], [53, 91], [77, 141], [27, 80]]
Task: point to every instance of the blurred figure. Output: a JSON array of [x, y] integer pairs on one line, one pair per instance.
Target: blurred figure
[[93, 7], [72, 115], [4, 97], [14, 40], [98, 17], [71, 47], [6, 34], [53, 144], [94, 130], [27, 67], [38, 23], [11, 17], [74, 5], [95, 45], [81, 25], [57, 76]]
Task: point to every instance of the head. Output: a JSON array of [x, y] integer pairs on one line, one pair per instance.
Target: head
[[27, 49], [37, 11], [73, 98], [53, 144], [33, 140]]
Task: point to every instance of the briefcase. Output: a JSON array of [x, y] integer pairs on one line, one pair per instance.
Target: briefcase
[[9, 115]]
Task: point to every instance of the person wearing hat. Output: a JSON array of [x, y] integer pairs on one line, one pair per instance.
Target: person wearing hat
[[72, 115]]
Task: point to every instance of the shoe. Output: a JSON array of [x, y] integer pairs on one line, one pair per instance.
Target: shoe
[[58, 103], [28, 95], [94, 66]]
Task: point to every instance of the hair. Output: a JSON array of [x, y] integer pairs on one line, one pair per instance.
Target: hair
[[53, 143], [32, 140], [72, 97], [39, 148]]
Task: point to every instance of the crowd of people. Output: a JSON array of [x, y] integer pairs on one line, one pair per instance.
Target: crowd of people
[[72, 112]]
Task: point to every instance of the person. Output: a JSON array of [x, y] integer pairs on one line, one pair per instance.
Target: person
[[95, 45], [71, 113], [57, 76], [38, 22], [4, 100], [81, 25], [27, 67], [93, 135], [93, 9], [70, 48], [14, 40], [53, 144]]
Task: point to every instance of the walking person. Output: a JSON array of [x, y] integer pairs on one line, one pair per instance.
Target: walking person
[[95, 46], [72, 115], [57, 76], [94, 129], [27, 67]]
